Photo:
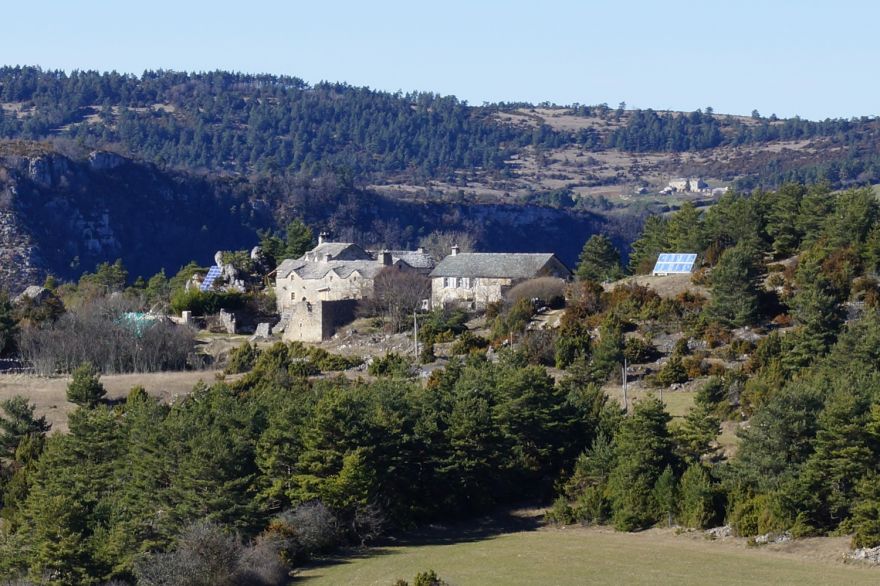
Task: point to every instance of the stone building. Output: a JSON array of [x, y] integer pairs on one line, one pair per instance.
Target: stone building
[[476, 279], [317, 292]]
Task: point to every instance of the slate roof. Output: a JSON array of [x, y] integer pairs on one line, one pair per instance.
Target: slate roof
[[335, 249], [414, 258], [312, 265], [496, 265], [317, 270]]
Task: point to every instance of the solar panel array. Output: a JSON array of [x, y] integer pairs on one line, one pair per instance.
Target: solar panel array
[[213, 273], [668, 263]]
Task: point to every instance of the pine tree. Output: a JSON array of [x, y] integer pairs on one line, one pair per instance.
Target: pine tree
[[17, 422], [665, 494], [642, 451], [696, 497], [782, 219], [599, 260], [85, 388], [735, 287], [8, 325]]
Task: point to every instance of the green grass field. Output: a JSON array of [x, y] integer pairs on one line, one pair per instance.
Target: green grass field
[[595, 556]]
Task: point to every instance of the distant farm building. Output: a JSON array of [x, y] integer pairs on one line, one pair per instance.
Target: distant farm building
[[685, 185], [675, 263]]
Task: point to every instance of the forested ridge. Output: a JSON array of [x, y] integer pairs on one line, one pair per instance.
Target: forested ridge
[[242, 123]]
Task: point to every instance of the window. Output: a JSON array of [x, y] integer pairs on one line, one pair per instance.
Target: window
[[450, 282], [465, 283]]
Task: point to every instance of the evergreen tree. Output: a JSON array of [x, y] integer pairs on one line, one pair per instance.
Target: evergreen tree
[[735, 287], [696, 433], [642, 450], [696, 497], [85, 388], [299, 239], [8, 325], [652, 241], [665, 495], [782, 220], [816, 206], [845, 451], [599, 260], [17, 421], [684, 230]]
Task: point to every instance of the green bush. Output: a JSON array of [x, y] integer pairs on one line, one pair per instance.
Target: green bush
[[638, 351], [468, 343], [441, 325], [391, 365], [673, 372], [242, 359], [206, 302]]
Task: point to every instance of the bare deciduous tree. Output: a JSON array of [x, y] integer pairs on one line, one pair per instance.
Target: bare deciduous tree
[[396, 294], [439, 243]]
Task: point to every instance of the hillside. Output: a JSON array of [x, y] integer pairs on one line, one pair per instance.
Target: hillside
[[242, 124], [63, 215], [169, 167]]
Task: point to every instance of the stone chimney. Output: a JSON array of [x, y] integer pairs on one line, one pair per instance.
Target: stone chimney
[[385, 258], [327, 257], [454, 250], [323, 237], [420, 250]]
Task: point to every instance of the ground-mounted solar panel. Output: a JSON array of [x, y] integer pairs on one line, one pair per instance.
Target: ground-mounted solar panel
[[212, 275], [675, 263]]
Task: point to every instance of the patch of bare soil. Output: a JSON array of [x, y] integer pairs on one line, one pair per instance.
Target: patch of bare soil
[[668, 286]]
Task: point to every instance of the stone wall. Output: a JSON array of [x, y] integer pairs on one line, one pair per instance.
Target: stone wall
[[482, 292]]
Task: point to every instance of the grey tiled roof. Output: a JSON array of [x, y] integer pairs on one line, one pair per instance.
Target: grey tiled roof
[[317, 270], [498, 265], [335, 249], [414, 258]]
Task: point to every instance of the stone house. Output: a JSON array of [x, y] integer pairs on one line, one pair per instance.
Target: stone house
[[319, 291], [476, 279]]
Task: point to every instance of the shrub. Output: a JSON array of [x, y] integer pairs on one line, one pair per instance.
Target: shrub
[[427, 356], [206, 302], [673, 372], [468, 343], [694, 366], [242, 359], [207, 555], [539, 347], [313, 527], [636, 350], [441, 325], [391, 365]]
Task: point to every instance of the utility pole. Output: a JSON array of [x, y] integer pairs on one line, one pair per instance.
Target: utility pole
[[625, 402]]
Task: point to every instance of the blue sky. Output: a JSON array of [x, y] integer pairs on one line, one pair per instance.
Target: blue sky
[[814, 59]]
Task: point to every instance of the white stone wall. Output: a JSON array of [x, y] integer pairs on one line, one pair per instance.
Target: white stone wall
[[481, 291]]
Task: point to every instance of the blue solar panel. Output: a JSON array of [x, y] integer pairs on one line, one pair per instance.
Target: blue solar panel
[[668, 263], [213, 273]]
